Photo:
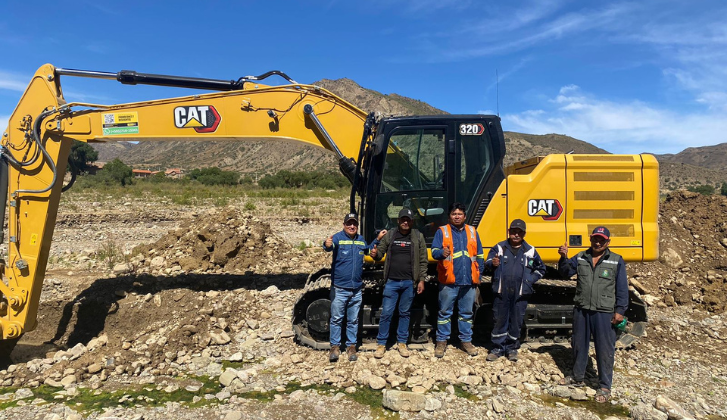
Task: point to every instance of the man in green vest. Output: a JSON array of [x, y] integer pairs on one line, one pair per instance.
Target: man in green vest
[[602, 297]]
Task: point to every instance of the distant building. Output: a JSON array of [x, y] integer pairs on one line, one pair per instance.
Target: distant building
[[174, 173], [141, 173]]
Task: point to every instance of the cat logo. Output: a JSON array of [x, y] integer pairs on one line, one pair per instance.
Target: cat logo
[[203, 118], [547, 209]]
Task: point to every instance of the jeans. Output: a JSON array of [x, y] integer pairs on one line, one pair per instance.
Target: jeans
[[585, 323], [403, 291], [465, 298], [348, 301], [508, 310]]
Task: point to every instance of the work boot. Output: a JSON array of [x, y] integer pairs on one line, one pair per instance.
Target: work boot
[[335, 352], [403, 351], [493, 356], [380, 350], [440, 348], [351, 352], [512, 356], [469, 348]]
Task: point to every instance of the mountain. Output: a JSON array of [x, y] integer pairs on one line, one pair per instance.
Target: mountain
[[711, 157], [691, 167]]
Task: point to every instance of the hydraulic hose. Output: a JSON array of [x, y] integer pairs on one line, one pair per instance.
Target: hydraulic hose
[[4, 174], [36, 138]]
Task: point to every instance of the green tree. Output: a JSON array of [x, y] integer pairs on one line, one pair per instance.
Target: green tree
[[702, 189], [116, 172], [723, 190], [82, 155], [214, 176]]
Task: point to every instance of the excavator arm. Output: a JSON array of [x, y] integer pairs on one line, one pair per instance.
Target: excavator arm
[[34, 150]]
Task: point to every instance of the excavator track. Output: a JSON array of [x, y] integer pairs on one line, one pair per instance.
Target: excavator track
[[548, 317], [312, 311]]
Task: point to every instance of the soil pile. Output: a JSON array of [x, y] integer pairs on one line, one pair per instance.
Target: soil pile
[[692, 266], [222, 241]]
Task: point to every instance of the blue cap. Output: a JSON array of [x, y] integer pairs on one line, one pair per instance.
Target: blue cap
[[601, 231]]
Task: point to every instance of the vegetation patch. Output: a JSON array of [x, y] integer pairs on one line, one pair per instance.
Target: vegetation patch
[[460, 392], [602, 410], [374, 400]]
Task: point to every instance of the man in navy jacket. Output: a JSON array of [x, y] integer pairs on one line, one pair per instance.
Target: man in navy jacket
[[517, 267], [348, 249]]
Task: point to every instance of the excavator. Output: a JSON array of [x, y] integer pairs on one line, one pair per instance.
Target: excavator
[[424, 163]]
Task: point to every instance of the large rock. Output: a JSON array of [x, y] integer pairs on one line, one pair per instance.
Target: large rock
[[672, 409], [376, 382], [647, 412], [432, 404], [471, 380], [227, 377], [671, 258], [123, 268], [404, 401]]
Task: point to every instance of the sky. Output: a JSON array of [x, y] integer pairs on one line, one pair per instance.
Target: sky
[[627, 76]]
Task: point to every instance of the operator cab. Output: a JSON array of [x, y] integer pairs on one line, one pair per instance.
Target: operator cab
[[427, 163]]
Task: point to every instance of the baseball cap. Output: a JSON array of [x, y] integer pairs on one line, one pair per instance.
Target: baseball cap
[[518, 224], [350, 216], [601, 231], [406, 213]]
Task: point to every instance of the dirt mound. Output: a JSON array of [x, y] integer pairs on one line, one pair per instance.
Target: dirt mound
[[692, 266], [222, 241]]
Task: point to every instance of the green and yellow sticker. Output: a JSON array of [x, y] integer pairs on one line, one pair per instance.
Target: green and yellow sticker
[[120, 123]]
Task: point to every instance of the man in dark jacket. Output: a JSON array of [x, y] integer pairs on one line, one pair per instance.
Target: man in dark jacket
[[602, 297], [517, 267], [405, 266], [348, 249]]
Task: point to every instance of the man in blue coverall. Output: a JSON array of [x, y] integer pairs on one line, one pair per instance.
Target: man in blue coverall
[[348, 249], [602, 297], [458, 249], [517, 267]]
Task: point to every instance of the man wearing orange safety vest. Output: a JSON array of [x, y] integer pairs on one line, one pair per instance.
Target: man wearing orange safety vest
[[458, 249]]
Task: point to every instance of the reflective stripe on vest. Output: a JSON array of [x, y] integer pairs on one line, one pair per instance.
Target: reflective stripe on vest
[[445, 268]]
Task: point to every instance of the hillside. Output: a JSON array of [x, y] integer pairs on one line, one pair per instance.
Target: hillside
[[691, 167], [710, 157]]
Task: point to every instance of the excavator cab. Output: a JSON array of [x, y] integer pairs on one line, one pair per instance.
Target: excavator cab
[[426, 164]]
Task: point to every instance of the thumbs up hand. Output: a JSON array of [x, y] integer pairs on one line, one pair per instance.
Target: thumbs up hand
[[329, 242], [563, 250]]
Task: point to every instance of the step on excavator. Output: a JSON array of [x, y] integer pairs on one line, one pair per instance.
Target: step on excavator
[[424, 163]]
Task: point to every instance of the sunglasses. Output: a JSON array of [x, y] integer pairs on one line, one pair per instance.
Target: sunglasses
[[352, 223]]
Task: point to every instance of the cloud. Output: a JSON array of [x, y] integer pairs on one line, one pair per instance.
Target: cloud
[[505, 35], [619, 126], [13, 81], [4, 119]]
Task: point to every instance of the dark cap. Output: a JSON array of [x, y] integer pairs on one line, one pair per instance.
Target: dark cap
[[518, 224], [350, 216], [601, 231], [405, 212]]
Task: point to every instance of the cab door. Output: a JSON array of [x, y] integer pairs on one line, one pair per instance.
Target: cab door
[[413, 174]]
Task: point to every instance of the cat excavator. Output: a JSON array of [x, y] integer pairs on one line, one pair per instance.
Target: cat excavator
[[424, 163]]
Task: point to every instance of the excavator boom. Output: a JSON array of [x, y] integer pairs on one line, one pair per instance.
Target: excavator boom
[[38, 139]]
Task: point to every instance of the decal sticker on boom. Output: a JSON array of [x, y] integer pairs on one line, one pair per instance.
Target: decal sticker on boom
[[203, 118], [548, 209], [120, 123], [471, 129]]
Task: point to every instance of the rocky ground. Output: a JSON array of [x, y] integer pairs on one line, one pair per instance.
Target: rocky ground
[[158, 312]]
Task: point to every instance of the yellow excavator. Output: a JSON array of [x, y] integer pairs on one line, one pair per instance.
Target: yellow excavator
[[424, 163]]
